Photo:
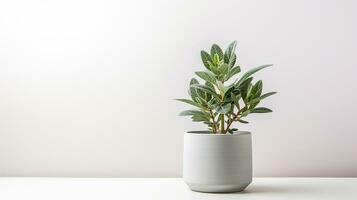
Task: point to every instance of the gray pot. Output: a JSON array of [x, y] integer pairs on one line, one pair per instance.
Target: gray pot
[[217, 162]]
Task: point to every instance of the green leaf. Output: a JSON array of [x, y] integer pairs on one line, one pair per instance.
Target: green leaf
[[244, 85], [191, 112], [257, 89], [210, 85], [205, 88], [232, 60], [204, 96], [204, 116], [221, 87], [242, 121], [200, 100], [245, 113], [228, 91], [194, 81], [223, 109], [230, 88], [230, 51], [223, 70], [209, 96], [235, 99], [201, 94], [250, 72], [261, 110], [245, 88], [215, 49], [207, 76], [192, 91], [206, 59], [189, 102], [211, 103], [267, 95], [231, 131], [208, 123], [233, 71], [216, 62], [254, 102], [200, 118], [249, 91]]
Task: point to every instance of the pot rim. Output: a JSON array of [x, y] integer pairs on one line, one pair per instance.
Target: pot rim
[[209, 133]]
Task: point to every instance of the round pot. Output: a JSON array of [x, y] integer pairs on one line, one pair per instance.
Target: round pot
[[217, 162]]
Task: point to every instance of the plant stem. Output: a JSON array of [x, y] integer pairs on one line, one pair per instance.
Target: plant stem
[[214, 128], [222, 124], [231, 121], [234, 118], [222, 115]]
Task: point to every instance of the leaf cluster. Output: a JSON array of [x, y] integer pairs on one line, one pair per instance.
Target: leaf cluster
[[217, 104]]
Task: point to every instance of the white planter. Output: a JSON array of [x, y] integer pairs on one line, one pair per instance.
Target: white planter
[[217, 162]]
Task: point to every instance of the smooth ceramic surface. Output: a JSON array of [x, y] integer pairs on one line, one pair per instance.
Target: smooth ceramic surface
[[217, 162]]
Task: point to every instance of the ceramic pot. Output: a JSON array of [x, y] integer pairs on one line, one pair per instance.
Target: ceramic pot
[[217, 162]]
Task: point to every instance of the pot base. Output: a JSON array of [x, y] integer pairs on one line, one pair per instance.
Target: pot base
[[217, 188]]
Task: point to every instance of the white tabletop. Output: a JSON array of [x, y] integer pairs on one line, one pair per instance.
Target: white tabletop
[[172, 189]]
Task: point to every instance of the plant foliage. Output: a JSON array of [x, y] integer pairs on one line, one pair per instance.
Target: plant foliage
[[217, 104]]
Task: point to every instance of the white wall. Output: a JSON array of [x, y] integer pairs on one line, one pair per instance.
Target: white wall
[[86, 86]]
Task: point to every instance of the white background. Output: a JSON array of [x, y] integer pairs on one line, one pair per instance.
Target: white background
[[86, 87]]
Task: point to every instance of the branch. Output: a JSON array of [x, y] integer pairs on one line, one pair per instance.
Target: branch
[[234, 118]]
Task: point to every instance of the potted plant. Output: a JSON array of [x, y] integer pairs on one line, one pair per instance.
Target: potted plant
[[220, 158]]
